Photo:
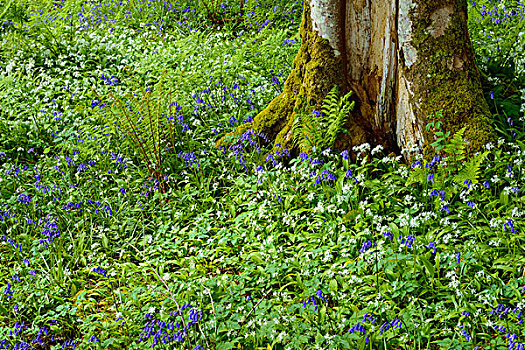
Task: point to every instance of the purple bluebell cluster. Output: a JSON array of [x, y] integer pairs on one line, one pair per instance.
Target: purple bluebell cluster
[[312, 300], [8, 291], [43, 338], [323, 176], [371, 319], [369, 244], [171, 331], [248, 140], [509, 225], [12, 242], [100, 271], [113, 80], [190, 159]]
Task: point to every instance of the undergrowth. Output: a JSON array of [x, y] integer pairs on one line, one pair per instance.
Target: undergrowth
[[122, 226]]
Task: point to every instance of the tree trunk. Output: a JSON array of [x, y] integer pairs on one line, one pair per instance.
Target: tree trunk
[[404, 59]]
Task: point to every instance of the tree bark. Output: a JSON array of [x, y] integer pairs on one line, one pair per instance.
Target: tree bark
[[404, 59]]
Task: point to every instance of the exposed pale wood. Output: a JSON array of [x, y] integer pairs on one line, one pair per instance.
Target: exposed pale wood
[[403, 59], [325, 16]]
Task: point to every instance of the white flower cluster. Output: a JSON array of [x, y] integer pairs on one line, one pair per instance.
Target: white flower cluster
[[377, 149], [365, 147], [495, 223], [454, 280], [495, 243]]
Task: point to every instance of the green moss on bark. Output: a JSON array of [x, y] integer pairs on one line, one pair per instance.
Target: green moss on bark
[[445, 75], [315, 71]]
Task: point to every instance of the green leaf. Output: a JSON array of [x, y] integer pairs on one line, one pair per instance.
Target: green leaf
[[503, 267], [225, 346], [503, 198], [332, 286], [323, 312], [428, 266], [6, 9], [256, 257]]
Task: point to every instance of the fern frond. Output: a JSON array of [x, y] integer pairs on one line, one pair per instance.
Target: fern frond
[[323, 129], [336, 112], [330, 103], [302, 130], [471, 170], [417, 175], [456, 147]]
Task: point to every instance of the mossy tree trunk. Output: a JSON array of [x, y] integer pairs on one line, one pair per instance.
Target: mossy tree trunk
[[403, 59]]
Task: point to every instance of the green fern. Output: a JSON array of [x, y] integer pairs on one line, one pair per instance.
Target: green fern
[[471, 170], [455, 151], [321, 131], [417, 175], [456, 147], [147, 125]]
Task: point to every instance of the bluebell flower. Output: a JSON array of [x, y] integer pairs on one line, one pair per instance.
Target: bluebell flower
[[69, 343], [93, 339], [328, 176], [367, 245], [303, 156], [317, 113], [434, 192], [416, 164], [509, 225], [384, 327], [100, 271], [24, 199]]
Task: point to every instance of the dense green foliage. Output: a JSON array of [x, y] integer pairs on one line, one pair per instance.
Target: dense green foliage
[[123, 226], [320, 129]]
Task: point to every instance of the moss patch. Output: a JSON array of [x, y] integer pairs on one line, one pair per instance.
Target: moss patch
[[315, 71], [446, 75]]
